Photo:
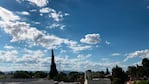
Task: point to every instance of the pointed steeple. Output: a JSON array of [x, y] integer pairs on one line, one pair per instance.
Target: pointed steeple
[[52, 59], [53, 71]]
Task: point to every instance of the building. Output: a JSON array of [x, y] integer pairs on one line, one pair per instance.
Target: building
[[90, 80], [53, 71]]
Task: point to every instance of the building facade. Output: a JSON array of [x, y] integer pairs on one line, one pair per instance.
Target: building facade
[[90, 80]]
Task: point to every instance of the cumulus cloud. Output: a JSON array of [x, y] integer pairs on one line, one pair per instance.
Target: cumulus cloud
[[46, 10], [75, 46], [91, 39], [148, 7], [116, 54], [22, 31], [139, 53], [31, 59], [56, 16], [37, 60], [107, 42], [80, 56], [82, 63], [39, 3], [7, 15], [8, 47], [19, 1], [55, 25], [23, 13], [8, 56]]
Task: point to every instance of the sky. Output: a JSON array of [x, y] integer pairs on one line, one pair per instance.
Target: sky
[[85, 34]]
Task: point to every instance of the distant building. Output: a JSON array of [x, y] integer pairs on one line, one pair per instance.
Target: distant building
[[90, 80], [53, 71]]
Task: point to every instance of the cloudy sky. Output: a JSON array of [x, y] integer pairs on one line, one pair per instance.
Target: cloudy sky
[[85, 34]]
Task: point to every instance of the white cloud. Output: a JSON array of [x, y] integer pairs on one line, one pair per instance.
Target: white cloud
[[19, 1], [40, 3], [76, 47], [55, 25], [37, 60], [56, 16], [62, 27], [23, 13], [91, 39], [66, 14], [107, 42], [36, 22], [33, 10], [8, 47], [31, 59], [80, 56], [62, 51], [46, 10], [22, 31], [148, 7], [8, 56], [7, 15], [83, 63], [139, 53], [137, 63], [116, 54]]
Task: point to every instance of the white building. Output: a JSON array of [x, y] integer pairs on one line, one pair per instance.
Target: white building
[[90, 80]]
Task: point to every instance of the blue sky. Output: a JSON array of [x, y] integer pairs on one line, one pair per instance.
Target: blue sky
[[85, 34]]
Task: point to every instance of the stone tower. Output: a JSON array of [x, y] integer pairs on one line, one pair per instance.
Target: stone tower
[[53, 71]]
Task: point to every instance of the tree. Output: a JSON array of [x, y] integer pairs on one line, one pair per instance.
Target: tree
[[119, 74], [62, 77], [132, 71], [98, 74], [2, 73], [73, 76], [40, 74], [117, 81], [107, 71], [145, 63], [139, 71], [21, 74]]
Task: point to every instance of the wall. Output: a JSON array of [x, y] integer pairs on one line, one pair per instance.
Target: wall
[[99, 81]]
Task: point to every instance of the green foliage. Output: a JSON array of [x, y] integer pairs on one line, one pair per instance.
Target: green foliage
[[142, 82], [62, 77], [21, 74], [40, 74], [1, 73], [139, 71], [145, 63], [73, 76], [117, 72], [117, 81], [99, 74], [132, 71]]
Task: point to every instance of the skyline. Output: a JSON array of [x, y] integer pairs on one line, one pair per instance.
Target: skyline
[[84, 34]]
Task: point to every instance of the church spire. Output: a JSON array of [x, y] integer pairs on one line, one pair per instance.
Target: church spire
[[53, 71], [52, 59]]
